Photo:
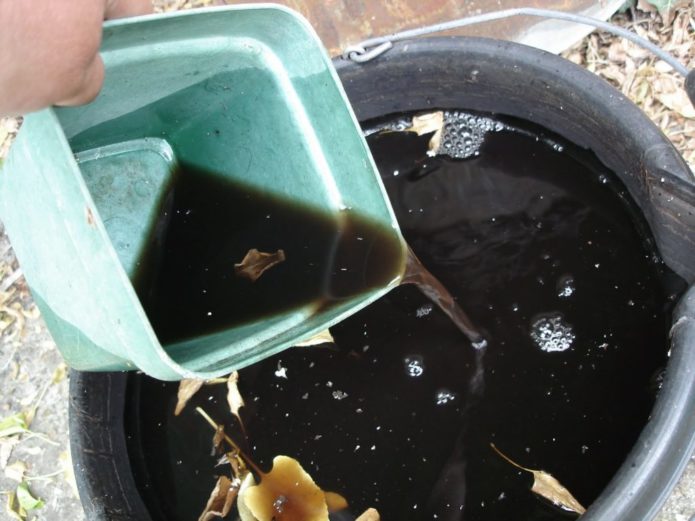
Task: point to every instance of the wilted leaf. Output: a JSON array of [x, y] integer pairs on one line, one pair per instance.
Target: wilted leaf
[[13, 508], [221, 500], [287, 492], [677, 101], [6, 447], [187, 388], [26, 500], [548, 487], [255, 263], [234, 398], [426, 124], [16, 471], [322, 337], [60, 373], [218, 440], [15, 424], [371, 514]]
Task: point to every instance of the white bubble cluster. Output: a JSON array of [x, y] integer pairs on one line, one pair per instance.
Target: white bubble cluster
[[414, 366], [464, 133], [444, 396], [565, 287], [552, 334]]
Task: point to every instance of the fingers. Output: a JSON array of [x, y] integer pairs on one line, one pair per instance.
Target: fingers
[[125, 8], [48, 53]]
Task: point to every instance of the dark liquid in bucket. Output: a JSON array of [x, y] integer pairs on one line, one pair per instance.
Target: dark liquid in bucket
[[548, 255], [187, 282]]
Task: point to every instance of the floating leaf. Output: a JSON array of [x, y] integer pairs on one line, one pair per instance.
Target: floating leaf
[[335, 502], [255, 263], [234, 398], [221, 499], [322, 337], [15, 424], [548, 487], [288, 492], [187, 388], [371, 514], [426, 124], [26, 500]]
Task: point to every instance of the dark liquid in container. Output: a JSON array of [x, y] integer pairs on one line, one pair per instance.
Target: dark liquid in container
[[548, 254], [186, 279]]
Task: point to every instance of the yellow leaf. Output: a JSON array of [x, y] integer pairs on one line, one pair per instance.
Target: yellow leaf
[[60, 373], [322, 337], [371, 514], [255, 263], [545, 485], [221, 499], [426, 124], [287, 492], [16, 471], [187, 388]]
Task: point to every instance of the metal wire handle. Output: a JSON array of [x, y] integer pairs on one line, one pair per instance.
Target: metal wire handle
[[371, 48]]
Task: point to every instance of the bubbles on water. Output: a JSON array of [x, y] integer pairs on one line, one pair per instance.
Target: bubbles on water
[[552, 334], [565, 287], [464, 133], [414, 366], [281, 371], [424, 310], [445, 396]]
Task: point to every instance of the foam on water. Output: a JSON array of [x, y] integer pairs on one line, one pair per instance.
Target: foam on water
[[552, 334]]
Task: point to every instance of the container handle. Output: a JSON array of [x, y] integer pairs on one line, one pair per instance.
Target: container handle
[[371, 48]]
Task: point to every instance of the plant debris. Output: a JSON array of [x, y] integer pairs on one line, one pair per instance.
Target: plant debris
[[234, 398], [187, 388], [432, 122], [288, 493], [14, 424], [255, 263], [548, 487], [322, 337], [371, 514], [221, 499], [19, 501]]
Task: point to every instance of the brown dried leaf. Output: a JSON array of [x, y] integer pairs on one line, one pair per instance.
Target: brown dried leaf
[[678, 102], [234, 398], [545, 485], [218, 440], [255, 263], [427, 123], [187, 388], [371, 514], [322, 337], [221, 500]]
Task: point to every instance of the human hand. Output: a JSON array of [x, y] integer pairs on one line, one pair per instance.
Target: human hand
[[49, 50]]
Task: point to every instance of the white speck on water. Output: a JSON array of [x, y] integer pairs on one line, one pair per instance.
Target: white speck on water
[[339, 395], [357, 447], [329, 384], [424, 310], [501, 496], [396, 172], [414, 366], [281, 371], [305, 396], [318, 437], [480, 344], [209, 313], [552, 334], [584, 449], [445, 396]]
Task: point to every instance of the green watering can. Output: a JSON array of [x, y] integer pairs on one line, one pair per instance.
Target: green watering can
[[82, 186]]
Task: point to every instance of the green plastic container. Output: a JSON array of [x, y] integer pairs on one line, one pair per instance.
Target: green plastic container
[[80, 188]]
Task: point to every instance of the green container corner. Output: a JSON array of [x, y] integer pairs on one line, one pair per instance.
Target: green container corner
[[244, 91]]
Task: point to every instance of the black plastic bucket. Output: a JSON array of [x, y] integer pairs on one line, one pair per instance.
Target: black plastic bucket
[[513, 80]]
